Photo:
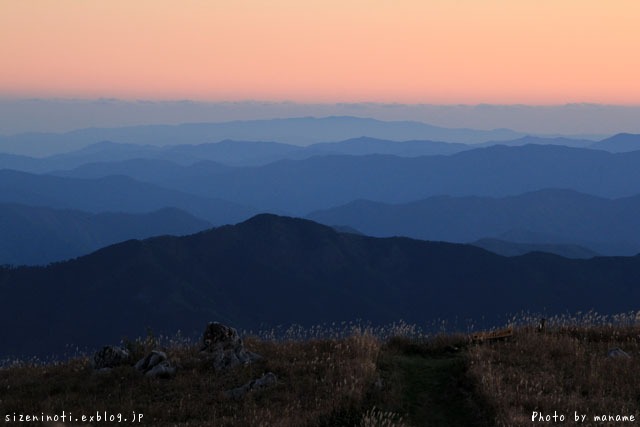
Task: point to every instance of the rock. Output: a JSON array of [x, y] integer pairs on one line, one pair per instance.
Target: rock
[[162, 370], [224, 347], [267, 380], [150, 360], [110, 357], [156, 365], [617, 352], [217, 334]]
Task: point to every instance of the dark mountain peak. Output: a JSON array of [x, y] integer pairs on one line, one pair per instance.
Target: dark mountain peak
[[275, 270], [279, 224]]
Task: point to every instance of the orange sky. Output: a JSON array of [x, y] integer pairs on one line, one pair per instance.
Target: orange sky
[[408, 51]]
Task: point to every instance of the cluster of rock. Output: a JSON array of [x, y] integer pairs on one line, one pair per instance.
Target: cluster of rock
[[221, 346], [110, 357], [154, 365]]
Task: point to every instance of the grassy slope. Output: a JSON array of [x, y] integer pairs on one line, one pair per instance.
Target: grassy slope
[[564, 370], [427, 382], [358, 381]]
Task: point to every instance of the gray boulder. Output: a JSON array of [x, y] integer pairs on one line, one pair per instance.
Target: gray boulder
[[156, 365], [150, 360], [110, 357], [267, 380], [223, 346]]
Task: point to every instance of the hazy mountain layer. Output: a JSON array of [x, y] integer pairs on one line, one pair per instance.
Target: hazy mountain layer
[[321, 182], [620, 143], [111, 194], [256, 153], [36, 235], [605, 226], [297, 131]]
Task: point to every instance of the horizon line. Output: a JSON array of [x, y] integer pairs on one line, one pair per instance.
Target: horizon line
[[4, 98]]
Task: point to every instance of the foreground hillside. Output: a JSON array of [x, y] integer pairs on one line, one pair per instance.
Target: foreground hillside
[[359, 380], [273, 270]]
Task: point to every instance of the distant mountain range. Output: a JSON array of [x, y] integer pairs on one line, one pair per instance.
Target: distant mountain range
[[545, 217], [257, 153], [620, 143], [234, 153], [112, 194], [230, 181], [301, 186], [564, 141], [273, 270], [38, 235], [223, 194], [512, 194], [297, 131]]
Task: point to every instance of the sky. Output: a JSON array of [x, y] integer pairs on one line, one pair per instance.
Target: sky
[[537, 52]]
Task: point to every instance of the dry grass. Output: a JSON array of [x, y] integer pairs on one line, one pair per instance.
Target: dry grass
[[346, 375], [318, 381], [562, 370]]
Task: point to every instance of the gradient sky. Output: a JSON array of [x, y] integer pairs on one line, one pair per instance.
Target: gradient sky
[[408, 51]]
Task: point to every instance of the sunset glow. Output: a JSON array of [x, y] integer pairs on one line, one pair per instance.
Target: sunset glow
[[410, 51]]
